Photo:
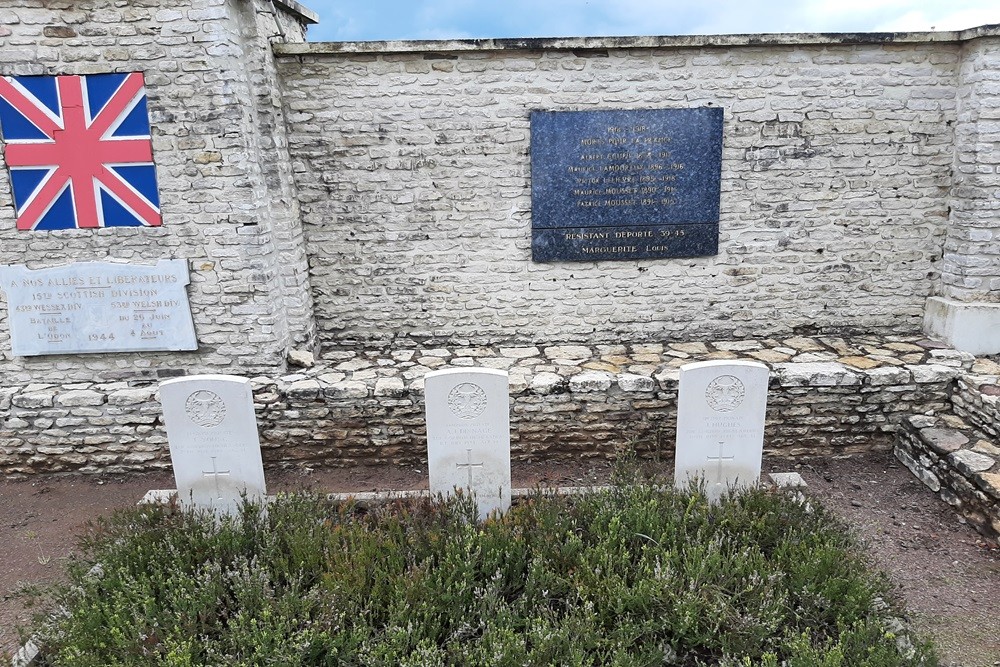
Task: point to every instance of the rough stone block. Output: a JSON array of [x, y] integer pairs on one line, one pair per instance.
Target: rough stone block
[[929, 479], [969, 462], [390, 387], [568, 352], [304, 390], [887, 375], [547, 383], [989, 482], [124, 397], [823, 374], [590, 381], [943, 440], [636, 383], [81, 397], [34, 400], [928, 373], [347, 389]]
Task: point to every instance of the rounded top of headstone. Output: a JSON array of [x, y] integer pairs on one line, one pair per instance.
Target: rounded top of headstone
[[208, 377], [470, 370], [723, 362]]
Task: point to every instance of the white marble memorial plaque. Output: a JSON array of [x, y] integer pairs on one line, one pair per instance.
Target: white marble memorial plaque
[[468, 434], [88, 307], [720, 424], [214, 448]]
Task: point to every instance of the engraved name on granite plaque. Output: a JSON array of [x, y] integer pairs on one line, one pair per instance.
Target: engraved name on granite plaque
[[625, 184]]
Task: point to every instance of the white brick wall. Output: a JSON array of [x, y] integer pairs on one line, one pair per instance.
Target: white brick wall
[[971, 269], [413, 179], [409, 170], [225, 187], [367, 194]]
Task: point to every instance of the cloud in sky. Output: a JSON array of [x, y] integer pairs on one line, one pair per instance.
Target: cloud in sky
[[346, 20]]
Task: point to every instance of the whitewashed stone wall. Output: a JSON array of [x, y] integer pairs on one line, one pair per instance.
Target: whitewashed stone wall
[[827, 396], [375, 199], [971, 268], [836, 185], [224, 180]]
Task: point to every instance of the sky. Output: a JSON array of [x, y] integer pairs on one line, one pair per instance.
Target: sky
[[363, 20]]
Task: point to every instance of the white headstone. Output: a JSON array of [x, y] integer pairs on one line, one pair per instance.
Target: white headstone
[[91, 307], [214, 448], [468, 434], [720, 424]]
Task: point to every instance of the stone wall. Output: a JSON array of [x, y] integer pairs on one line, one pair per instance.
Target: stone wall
[[224, 177], [958, 464], [827, 396], [976, 400], [836, 176], [373, 200], [971, 267]]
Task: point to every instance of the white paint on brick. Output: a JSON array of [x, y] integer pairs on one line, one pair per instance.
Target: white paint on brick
[[836, 190], [224, 177], [366, 198]]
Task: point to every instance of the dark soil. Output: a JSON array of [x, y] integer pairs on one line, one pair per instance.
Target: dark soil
[[948, 576]]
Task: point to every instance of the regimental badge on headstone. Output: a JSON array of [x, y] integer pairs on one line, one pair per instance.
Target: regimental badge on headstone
[[720, 424], [79, 151], [214, 447], [468, 434]]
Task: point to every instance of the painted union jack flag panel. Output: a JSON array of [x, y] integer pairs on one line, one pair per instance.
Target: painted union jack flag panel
[[79, 151]]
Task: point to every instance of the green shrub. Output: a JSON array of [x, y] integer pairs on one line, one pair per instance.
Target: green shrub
[[631, 576]]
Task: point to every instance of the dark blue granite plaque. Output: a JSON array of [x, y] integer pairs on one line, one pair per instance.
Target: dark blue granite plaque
[[636, 184]]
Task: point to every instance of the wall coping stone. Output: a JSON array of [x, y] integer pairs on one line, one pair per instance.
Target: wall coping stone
[[824, 361], [648, 42], [299, 11]]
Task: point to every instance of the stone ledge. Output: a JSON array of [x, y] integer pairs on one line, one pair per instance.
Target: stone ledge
[[637, 368], [828, 395], [653, 42], [299, 11], [776, 480], [956, 462]]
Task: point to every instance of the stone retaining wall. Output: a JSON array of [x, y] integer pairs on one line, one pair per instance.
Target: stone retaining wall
[[977, 399], [956, 462], [375, 198], [827, 396]]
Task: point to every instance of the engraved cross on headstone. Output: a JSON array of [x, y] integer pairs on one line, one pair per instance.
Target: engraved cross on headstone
[[470, 465], [216, 473], [720, 458]]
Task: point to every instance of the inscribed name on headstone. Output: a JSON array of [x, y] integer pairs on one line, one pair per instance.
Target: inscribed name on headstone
[[720, 424], [214, 447], [625, 184], [468, 434], [88, 307]]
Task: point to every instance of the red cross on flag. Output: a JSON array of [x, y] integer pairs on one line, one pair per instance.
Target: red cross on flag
[[79, 151]]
